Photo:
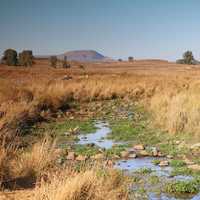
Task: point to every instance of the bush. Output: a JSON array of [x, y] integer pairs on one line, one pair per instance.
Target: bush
[[65, 64], [26, 58], [53, 61], [130, 59], [188, 59], [10, 57], [177, 163], [181, 187]]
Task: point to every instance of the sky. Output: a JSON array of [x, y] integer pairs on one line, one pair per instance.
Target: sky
[[161, 29]]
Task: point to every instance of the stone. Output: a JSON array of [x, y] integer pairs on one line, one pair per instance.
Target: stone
[[160, 154], [194, 167], [169, 156], [139, 147], [155, 152], [124, 154], [195, 146], [98, 156], [71, 156], [163, 163], [90, 145], [109, 163], [143, 153], [188, 162], [67, 133], [133, 155], [81, 158], [177, 142], [66, 77], [74, 131], [116, 157]]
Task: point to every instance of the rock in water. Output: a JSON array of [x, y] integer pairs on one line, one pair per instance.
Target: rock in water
[[139, 147], [124, 154], [164, 163]]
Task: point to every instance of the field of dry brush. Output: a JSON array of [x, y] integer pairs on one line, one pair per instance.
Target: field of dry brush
[[169, 91]]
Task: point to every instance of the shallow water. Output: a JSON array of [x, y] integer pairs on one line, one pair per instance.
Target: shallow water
[[140, 163], [99, 138]]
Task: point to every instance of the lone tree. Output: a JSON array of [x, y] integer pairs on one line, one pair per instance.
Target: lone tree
[[26, 58], [188, 58], [53, 61], [130, 59], [65, 64], [10, 57]]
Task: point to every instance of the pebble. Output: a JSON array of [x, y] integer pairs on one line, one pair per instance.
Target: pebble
[[139, 147], [163, 163]]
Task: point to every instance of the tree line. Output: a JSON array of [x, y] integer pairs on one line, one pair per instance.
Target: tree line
[[11, 58], [26, 58]]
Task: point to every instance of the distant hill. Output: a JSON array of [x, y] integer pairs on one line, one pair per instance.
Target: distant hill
[[80, 55], [83, 55]]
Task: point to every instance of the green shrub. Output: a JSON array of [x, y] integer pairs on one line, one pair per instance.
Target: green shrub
[[177, 163], [188, 59], [156, 162], [144, 170], [26, 58], [65, 64], [53, 61], [130, 59], [179, 187], [10, 57]]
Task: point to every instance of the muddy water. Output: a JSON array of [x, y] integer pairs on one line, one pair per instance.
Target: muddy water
[[130, 166]]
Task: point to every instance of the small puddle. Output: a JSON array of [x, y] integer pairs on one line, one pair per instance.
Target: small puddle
[[99, 138], [136, 164]]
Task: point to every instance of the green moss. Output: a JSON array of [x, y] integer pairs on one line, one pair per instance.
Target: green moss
[[181, 171], [180, 187], [144, 171], [59, 128], [177, 163], [123, 130], [154, 179], [156, 162], [141, 191], [115, 150], [85, 150]]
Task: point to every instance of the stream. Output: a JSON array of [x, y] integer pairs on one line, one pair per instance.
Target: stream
[[130, 166]]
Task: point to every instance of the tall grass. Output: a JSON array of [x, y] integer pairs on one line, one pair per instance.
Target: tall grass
[[90, 185]]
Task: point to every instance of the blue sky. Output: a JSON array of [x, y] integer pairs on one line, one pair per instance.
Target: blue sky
[[117, 28]]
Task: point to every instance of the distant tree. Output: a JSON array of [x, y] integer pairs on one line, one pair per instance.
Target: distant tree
[[120, 60], [53, 61], [65, 64], [26, 58], [82, 67], [188, 57], [10, 57], [130, 59]]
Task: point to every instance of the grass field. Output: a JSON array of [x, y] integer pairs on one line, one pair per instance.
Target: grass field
[[170, 92]]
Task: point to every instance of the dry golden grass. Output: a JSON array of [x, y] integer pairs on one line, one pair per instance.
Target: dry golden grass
[[37, 160], [87, 185], [27, 93]]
